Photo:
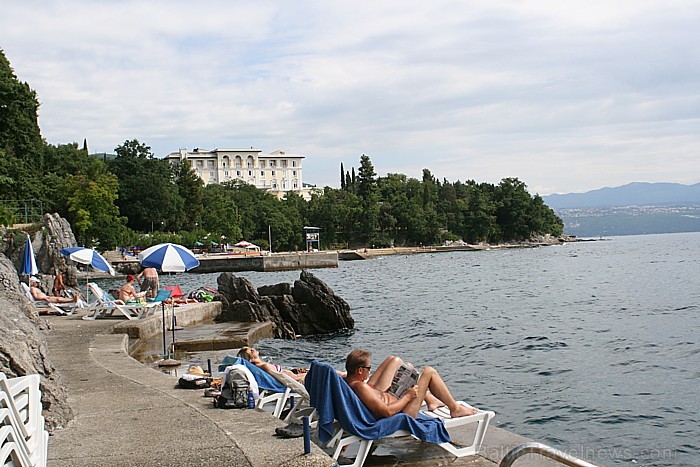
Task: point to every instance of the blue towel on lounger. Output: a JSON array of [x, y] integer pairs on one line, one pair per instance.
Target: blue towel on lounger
[[263, 378], [335, 400]]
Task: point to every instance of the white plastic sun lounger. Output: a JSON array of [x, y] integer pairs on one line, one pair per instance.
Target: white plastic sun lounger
[[106, 306], [55, 308], [24, 439]]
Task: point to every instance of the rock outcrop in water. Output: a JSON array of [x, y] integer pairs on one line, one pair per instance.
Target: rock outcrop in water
[[309, 307]]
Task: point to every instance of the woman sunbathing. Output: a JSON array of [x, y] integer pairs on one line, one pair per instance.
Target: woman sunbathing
[[252, 355]]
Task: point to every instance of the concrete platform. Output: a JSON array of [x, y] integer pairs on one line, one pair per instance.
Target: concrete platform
[[127, 413]]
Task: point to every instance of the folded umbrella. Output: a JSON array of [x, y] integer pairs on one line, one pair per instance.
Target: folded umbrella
[[28, 265]]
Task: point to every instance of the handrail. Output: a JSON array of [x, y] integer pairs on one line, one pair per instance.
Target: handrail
[[544, 450]]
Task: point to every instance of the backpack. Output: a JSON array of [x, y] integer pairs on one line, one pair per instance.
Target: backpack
[[234, 390]]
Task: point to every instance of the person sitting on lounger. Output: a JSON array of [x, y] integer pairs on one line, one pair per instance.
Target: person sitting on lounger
[[252, 355], [39, 295], [373, 390], [127, 292], [59, 288]]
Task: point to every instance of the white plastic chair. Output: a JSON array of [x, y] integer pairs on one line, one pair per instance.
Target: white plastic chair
[[20, 406]]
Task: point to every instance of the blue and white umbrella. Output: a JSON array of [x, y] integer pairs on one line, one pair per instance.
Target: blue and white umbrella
[[88, 256], [28, 265], [168, 257]]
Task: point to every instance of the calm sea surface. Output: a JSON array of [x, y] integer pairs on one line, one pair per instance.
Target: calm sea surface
[[592, 347]]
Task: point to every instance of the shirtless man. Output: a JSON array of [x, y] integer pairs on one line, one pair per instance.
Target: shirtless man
[[149, 282], [41, 296], [372, 391], [127, 292]]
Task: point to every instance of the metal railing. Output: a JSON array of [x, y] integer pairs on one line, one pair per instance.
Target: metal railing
[[543, 450]]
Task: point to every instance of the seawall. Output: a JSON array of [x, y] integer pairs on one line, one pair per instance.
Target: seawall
[[260, 263]]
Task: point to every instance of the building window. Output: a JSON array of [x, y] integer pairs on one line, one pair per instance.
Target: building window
[[211, 174], [274, 184], [238, 173], [262, 164], [226, 172], [273, 163], [294, 163], [199, 163], [250, 173], [294, 172], [223, 164], [262, 173], [296, 185], [284, 164]]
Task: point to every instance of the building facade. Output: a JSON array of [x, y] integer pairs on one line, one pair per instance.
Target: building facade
[[277, 172]]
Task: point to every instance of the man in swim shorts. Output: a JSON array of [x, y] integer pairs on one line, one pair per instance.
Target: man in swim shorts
[[148, 281], [373, 390]]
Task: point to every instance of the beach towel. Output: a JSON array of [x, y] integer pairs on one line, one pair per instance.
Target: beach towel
[[335, 400], [263, 378]]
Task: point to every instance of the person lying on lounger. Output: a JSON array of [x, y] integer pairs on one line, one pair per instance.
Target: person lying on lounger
[[373, 390], [252, 355], [41, 296]]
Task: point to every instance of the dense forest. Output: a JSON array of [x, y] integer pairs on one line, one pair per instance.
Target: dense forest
[[138, 199]]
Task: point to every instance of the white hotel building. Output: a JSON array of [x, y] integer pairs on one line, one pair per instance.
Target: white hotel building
[[277, 172]]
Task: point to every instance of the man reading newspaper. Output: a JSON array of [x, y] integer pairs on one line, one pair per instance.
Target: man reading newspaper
[[374, 390]]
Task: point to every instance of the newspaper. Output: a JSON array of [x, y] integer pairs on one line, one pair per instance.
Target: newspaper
[[406, 377]]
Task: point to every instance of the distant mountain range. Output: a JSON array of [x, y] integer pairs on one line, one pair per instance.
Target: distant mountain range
[[633, 194], [634, 209]]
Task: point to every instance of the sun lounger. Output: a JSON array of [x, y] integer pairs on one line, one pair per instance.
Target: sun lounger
[[43, 306], [23, 436], [272, 391], [337, 405], [107, 305]]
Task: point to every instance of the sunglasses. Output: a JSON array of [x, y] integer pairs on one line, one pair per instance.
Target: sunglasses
[[368, 367]]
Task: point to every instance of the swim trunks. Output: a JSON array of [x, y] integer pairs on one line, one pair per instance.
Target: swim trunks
[[149, 283]]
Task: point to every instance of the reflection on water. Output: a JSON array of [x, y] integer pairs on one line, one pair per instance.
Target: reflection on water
[[591, 347]]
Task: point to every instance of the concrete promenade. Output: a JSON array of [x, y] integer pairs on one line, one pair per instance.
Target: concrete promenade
[[128, 414]]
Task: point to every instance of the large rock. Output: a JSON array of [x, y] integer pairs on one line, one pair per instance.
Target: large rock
[[23, 349], [310, 307], [325, 311], [52, 235]]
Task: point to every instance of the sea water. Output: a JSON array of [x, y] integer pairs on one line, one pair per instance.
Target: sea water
[[590, 347]]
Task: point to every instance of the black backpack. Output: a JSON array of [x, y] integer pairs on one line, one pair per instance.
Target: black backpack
[[234, 390]]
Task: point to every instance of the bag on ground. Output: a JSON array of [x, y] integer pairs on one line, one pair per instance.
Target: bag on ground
[[234, 390], [193, 382]]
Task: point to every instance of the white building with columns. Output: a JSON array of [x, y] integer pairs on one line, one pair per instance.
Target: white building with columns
[[277, 172]]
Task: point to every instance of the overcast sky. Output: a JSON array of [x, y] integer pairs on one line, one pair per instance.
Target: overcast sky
[[568, 96]]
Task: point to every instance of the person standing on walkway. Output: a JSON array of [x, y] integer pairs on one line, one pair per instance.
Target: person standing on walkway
[[148, 281]]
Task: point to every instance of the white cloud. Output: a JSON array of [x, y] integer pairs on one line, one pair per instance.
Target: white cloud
[[566, 96]]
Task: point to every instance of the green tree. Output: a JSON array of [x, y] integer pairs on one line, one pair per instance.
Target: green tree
[[21, 163], [148, 194], [191, 189], [221, 218], [368, 192], [92, 211]]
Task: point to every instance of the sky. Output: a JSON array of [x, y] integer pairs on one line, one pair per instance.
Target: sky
[[567, 96]]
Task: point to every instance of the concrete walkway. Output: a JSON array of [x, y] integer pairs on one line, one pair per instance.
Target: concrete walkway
[[129, 414]]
